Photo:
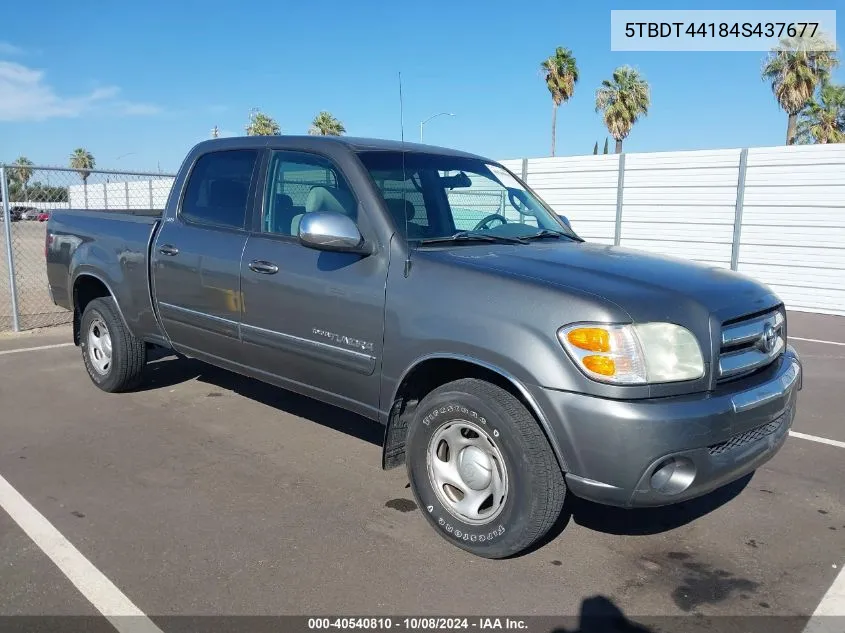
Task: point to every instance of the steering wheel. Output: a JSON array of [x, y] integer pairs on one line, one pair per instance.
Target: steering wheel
[[482, 224]]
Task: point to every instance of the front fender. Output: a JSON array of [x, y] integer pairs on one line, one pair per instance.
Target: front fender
[[513, 380]]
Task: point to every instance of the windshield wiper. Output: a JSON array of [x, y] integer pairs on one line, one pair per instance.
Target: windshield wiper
[[549, 233], [473, 236]]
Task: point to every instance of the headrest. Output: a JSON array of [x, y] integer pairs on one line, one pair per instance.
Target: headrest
[[228, 193], [401, 210], [283, 201], [330, 199]]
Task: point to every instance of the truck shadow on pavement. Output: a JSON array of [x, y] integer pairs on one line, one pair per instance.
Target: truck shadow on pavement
[[166, 370], [639, 521]]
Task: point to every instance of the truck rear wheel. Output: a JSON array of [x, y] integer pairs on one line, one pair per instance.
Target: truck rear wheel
[[481, 469], [113, 357]]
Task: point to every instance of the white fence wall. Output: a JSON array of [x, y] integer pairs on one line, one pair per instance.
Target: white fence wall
[[787, 206], [793, 224], [123, 194], [581, 187], [37, 204], [676, 199]]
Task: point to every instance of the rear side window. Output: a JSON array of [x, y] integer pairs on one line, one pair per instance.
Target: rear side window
[[216, 193]]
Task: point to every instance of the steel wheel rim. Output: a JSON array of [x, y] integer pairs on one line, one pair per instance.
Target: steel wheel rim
[[99, 346], [467, 472]]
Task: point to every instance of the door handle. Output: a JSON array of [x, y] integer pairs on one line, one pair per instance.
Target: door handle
[[167, 249], [265, 268]]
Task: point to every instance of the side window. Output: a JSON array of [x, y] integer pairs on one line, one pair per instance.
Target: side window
[[216, 193], [302, 183]]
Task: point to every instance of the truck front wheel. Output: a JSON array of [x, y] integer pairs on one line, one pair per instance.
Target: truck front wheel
[[113, 357], [481, 469]]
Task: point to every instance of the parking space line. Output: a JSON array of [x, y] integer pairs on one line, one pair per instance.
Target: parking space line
[[33, 349], [816, 340], [816, 438], [832, 604], [90, 581]]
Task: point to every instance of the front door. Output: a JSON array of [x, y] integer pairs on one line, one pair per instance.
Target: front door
[[197, 255], [312, 320]]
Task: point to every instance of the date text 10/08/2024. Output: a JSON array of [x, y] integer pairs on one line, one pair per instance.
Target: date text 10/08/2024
[[418, 623]]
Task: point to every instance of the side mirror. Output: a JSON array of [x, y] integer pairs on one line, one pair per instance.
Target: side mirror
[[330, 231], [564, 219]]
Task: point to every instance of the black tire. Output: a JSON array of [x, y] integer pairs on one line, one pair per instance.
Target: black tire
[[535, 489], [128, 354]]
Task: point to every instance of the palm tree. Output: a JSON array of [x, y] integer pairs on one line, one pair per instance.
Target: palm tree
[[261, 124], [795, 68], [561, 74], [325, 124], [83, 161], [22, 172], [823, 121], [623, 100]]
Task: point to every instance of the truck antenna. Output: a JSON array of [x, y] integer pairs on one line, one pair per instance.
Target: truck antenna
[[404, 175]]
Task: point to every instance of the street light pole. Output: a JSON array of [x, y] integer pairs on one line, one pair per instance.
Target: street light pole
[[434, 116], [124, 156], [108, 178]]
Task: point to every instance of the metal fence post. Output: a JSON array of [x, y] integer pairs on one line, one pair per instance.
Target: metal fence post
[[106, 194], [150, 182], [126, 189], [740, 199], [620, 189], [524, 175], [10, 260]]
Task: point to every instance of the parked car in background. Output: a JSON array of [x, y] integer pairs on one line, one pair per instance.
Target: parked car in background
[[510, 360], [29, 213], [43, 216], [15, 213]]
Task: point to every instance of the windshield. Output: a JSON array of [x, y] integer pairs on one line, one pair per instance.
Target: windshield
[[437, 196]]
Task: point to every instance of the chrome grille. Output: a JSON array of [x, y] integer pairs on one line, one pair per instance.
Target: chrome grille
[[751, 344]]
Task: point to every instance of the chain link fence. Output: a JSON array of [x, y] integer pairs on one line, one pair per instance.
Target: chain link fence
[[29, 195]]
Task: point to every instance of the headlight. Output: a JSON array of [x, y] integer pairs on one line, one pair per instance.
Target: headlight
[[634, 354]]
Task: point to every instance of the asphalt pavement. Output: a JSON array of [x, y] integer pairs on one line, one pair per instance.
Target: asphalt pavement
[[205, 493]]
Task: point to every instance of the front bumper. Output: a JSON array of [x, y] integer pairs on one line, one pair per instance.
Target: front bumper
[[613, 449]]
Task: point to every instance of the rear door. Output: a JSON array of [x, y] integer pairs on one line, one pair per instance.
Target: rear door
[[197, 255], [313, 319]]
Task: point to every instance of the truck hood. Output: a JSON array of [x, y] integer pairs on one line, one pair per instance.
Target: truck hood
[[645, 285]]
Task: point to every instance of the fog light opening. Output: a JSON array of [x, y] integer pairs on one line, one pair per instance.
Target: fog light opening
[[673, 475]]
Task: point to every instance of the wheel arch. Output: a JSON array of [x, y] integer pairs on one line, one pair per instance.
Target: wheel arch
[[431, 371], [86, 287]]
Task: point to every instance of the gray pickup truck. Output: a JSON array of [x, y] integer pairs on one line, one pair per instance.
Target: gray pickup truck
[[433, 291]]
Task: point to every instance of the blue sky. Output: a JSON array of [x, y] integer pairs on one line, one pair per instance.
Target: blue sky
[[151, 79]]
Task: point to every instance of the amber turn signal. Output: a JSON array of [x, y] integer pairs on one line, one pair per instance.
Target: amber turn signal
[[601, 365], [592, 339]]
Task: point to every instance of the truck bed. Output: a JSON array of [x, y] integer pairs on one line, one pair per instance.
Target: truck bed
[[111, 246]]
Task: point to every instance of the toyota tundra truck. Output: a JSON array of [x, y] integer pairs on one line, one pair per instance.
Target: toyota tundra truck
[[509, 360]]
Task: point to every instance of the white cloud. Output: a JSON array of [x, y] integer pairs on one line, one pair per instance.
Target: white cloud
[[139, 109], [26, 97], [6, 48]]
